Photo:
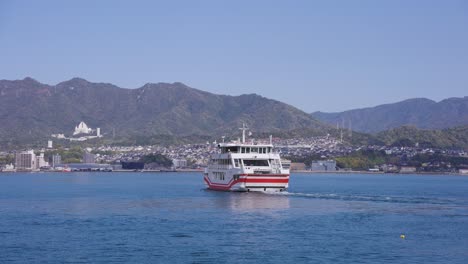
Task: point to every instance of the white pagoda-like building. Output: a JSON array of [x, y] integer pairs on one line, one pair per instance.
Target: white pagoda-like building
[[82, 133], [82, 128]]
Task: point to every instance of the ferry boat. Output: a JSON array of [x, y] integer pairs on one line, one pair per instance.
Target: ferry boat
[[246, 167]]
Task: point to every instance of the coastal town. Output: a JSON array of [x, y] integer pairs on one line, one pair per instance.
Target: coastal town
[[312, 154]]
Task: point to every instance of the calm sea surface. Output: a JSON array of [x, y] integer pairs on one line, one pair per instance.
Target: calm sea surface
[[171, 218]]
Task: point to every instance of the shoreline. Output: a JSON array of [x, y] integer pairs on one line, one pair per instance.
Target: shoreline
[[294, 171], [379, 172]]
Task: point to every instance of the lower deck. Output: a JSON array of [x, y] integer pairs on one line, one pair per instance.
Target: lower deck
[[247, 182]]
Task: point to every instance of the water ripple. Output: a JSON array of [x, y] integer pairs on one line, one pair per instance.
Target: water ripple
[[371, 198]]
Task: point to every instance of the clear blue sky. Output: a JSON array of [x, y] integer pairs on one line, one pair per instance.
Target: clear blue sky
[[315, 55]]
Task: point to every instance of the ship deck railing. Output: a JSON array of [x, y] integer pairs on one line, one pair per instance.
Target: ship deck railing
[[220, 167]]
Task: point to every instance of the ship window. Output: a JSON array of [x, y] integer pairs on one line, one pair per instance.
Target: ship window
[[232, 149], [247, 150], [219, 175], [236, 163], [254, 150], [258, 163]]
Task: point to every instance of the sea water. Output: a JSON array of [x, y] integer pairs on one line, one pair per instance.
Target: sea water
[[172, 218]]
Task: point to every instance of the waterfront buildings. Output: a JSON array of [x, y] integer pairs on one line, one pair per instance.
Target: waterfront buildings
[[40, 161], [179, 163], [297, 166], [321, 149], [8, 168], [407, 169], [55, 160], [323, 165], [26, 160]]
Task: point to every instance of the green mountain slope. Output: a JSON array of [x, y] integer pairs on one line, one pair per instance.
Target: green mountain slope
[[419, 112], [456, 137], [29, 109]]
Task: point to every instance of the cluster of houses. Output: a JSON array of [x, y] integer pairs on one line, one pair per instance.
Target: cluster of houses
[[196, 156]]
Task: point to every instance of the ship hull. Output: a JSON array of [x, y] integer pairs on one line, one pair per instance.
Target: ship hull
[[250, 183]]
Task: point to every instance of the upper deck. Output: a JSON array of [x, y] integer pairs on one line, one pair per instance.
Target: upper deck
[[245, 148]]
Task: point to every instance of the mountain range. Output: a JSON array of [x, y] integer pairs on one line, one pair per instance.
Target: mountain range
[[29, 108], [32, 111], [419, 112]]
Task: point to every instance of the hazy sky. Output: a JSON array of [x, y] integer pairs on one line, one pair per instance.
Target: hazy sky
[[315, 55]]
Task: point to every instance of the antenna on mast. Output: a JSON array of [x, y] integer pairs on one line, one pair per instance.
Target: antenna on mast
[[243, 128]]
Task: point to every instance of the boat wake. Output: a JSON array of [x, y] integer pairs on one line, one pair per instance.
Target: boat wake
[[368, 198]]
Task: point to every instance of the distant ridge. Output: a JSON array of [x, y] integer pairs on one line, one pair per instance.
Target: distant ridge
[[30, 109], [410, 136], [419, 112]]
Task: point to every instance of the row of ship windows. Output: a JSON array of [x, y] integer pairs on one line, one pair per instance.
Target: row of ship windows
[[238, 162], [255, 150], [246, 150], [219, 175]]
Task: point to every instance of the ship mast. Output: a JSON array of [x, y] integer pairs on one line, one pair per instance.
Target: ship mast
[[243, 128]]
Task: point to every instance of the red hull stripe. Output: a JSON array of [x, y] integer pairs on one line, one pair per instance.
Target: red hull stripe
[[267, 180], [211, 186], [265, 175], [222, 186]]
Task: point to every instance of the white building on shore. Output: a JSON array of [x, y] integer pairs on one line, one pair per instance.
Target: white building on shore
[[29, 161], [41, 162], [179, 163], [26, 160]]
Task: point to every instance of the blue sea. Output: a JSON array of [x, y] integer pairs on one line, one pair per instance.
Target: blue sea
[[172, 218]]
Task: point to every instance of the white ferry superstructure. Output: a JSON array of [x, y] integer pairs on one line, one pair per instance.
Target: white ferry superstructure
[[245, 167]]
